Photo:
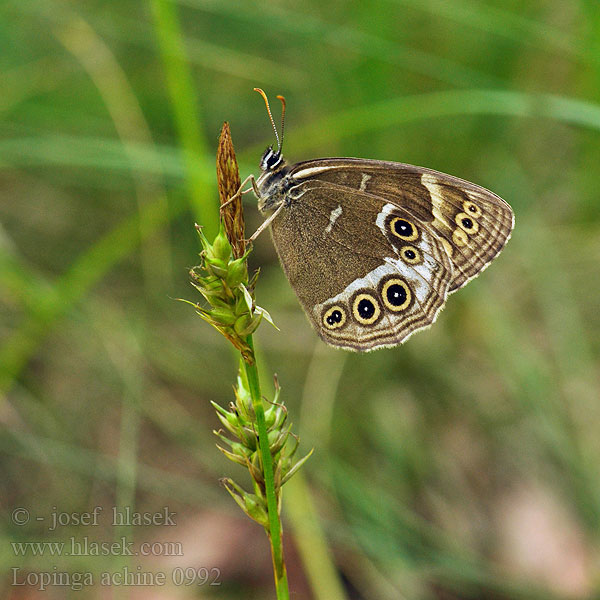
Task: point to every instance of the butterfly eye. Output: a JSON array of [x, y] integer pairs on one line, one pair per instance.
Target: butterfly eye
[[273, 160], [365, 309], [270, 159], [411, 255], [469, 224], [404, 229], [334, 317], [396, 294], [265, 157], [472, 209]]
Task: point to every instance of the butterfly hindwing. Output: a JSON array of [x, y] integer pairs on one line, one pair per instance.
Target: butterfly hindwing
[[367, 272]]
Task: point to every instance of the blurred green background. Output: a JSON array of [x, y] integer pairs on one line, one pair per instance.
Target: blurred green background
[[463, 464]]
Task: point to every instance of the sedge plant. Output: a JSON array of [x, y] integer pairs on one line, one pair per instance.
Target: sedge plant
[[255, 434]]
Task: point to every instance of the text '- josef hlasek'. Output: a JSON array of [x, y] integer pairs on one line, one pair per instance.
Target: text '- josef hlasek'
[[115, 516]]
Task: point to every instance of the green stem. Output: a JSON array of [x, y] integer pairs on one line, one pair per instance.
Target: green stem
[[274, 532]]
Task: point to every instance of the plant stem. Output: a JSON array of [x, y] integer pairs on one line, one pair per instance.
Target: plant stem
[[274, 532]]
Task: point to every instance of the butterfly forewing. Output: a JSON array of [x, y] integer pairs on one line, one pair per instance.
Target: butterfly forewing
[[472, 223]]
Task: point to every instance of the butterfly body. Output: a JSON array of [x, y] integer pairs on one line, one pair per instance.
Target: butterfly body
[[373, 248]]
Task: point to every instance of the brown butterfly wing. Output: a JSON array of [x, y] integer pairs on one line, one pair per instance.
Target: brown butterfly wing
[[472, 223], [341, 255]]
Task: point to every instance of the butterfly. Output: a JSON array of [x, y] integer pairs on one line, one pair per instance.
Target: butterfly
[[372, 248]]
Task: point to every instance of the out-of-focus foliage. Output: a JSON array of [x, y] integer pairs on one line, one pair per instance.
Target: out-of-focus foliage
[[463, 464]]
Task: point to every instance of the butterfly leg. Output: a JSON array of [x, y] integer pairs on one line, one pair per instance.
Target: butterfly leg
[[241, 192], [254, 188], [265, 223]]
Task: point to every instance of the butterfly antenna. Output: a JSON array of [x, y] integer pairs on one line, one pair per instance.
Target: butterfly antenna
[[282, 119], [270, 116]]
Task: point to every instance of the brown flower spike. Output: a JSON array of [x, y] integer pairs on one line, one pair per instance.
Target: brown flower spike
[[228, 180]]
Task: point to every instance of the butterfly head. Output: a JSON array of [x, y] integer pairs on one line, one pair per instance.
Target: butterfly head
[[271, 160]]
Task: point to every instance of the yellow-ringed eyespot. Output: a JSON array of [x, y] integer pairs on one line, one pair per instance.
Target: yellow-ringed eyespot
[[411, 255], [403, 229], [334, 317], [469, 224], [365, 309], [459, 237], [396, 294], [472, 209]]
